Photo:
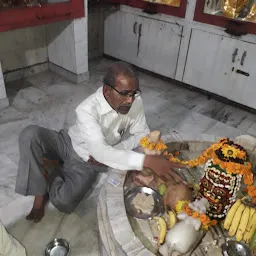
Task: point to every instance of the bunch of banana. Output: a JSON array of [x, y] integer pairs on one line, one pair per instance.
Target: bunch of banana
[[241, 221], [165, 222]]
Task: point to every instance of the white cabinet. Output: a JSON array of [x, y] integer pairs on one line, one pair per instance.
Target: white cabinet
[[147, 43], [210, 62], [214, 63], [244, 88], [120, 39], [159, 46]]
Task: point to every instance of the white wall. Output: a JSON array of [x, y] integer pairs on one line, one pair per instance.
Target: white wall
[[2, 86], [64, 44], [68, 48], [67, 45], [22, 48], [4, 102]]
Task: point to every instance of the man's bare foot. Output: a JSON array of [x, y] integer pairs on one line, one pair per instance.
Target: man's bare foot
[[37, 212]]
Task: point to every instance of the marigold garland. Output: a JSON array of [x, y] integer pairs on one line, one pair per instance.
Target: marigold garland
[[183, 206], [230, 157]]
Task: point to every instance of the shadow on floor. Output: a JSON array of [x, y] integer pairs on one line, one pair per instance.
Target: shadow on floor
[[13, 87]]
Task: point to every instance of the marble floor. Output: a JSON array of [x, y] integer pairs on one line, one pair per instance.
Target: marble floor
[[49, 100]]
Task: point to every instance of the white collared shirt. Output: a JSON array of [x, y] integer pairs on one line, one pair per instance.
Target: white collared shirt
[[99, 128]]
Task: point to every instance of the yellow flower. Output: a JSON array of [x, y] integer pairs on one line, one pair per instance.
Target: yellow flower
[[229, 151], [180, 205], [144, 142]]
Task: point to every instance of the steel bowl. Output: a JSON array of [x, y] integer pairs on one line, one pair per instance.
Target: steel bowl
[[234, 248], [57, 247], [158, 209]]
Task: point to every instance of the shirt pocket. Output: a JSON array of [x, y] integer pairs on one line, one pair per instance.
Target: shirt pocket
[[113, 137]]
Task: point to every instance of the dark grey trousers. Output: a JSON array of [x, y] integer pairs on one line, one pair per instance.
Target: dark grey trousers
[[67, 183]]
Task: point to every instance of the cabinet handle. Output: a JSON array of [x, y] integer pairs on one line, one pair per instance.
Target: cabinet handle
[[242, 72], [243, 58], [135, 28], [234, 55], [140, 31]]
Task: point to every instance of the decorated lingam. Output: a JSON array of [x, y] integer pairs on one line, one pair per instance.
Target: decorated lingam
[[220, 188], [226, 163], [213, 193]]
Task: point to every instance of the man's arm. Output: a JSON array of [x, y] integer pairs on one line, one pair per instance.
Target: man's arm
[[102, 152], [90, 131]]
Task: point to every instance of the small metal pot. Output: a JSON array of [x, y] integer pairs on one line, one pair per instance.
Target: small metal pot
[[57, 247], [234, 248]]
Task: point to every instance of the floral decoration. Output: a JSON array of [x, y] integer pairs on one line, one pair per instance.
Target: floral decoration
[[183, 206], [229, 156], [159, 146]]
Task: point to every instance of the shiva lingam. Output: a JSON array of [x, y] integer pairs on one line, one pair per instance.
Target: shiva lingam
[[226, 163], [220, 188]]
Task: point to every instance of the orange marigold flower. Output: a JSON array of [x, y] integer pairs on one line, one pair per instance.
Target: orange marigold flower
[[248, 178], [188, 210], [176, 153], [151, 146], [195, 215], [241, 154], [203, 218], [252, 191], [213, 222], [160, 146]]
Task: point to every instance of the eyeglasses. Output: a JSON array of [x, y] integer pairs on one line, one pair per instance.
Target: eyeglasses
[[127, 94]]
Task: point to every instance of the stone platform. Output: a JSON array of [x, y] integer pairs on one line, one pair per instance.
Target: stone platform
[[121, 236]]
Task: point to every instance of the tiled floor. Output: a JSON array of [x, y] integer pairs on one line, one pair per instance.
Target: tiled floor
[[49, 100]]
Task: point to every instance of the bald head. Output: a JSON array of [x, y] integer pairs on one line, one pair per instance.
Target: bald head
[[117, 70]]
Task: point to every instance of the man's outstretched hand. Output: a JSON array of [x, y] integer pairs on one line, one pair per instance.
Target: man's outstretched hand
[[162, 167]]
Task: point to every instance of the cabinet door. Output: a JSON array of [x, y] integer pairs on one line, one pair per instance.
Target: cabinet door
[[112, 30], [120, 36], [211, 62], [244, 89], [158, 46]]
